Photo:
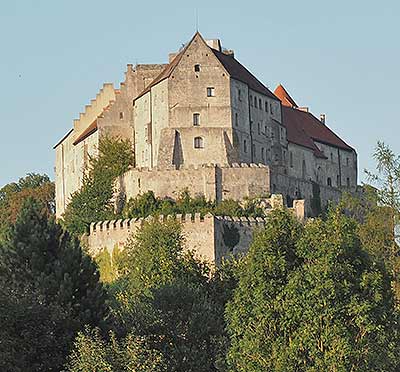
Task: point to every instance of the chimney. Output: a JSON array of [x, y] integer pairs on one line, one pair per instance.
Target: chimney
[[322, 118], [215, 44], [229, 52]]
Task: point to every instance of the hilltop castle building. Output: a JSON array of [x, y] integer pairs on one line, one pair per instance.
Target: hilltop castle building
[[205, 123]]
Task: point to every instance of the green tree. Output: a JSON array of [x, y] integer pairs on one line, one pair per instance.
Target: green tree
[[311, 300], [94, 201], [34, 336], [13, 196], [95, 353], [39, 257], [166, 298]]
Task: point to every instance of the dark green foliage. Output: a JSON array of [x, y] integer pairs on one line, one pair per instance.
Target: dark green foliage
[[311, 300], [34, 336], [148, 205], [231, 236], [93, 202], [39, 257], [167, 299]]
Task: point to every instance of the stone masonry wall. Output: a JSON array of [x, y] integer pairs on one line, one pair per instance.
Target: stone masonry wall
[[213, 181], [211, 237]]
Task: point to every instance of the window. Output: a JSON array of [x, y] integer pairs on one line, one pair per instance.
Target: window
[[259, 128], [262, 154], [253, 147], [255, 102], [197, 68], [239, 95], [198, 143], [251, 100], [266, 106], [331, 157], [259, 104], [291, 159], [271, 109], [196, 119], [348, 182], [245, 146], [121, 115], [236, 119], [347, 161], [338, 180], [210, 92], [329, 181]]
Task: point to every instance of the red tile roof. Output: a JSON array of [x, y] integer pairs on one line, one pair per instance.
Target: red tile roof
[[284, 96], [92, 128], [304, 128]]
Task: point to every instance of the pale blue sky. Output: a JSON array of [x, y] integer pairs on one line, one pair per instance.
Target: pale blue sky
[[337, 57]]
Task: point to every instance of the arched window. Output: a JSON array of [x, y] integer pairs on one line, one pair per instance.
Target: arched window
[[198, 143], [196, 119]]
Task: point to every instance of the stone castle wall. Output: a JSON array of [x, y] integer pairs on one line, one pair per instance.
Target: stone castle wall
[[211, 237], [215, 182]]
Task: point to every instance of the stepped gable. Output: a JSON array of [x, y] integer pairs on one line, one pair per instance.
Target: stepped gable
[[92, 128], [303, 128]]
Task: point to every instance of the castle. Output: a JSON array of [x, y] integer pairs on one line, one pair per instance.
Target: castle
[[203, 122]]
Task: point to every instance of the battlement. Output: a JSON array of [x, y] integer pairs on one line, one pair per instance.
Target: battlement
[[104, 98], [204, 234]]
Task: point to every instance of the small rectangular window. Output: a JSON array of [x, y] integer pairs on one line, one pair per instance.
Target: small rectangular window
[[259, 104], [210, 92], [197, 68], [255, 102], [121, 115], [244, 146], [239, 95], [196, 119], [266, 106], [251, 100], [271, 109]]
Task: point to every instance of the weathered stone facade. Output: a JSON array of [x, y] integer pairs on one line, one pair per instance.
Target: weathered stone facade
[[211, 237], [204, 123]]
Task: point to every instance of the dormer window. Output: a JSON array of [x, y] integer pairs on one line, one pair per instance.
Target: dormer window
[[197, 68]]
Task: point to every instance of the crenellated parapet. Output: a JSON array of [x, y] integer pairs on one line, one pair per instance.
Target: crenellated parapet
[[207, 235]]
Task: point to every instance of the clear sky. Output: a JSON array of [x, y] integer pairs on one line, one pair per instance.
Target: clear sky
[[337, 57]]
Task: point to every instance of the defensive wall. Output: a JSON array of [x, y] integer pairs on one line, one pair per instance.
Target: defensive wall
[[211, 237], [221, 182]]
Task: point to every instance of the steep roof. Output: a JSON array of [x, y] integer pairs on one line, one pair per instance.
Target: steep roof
[[284, 96], [234, 68], [237, 71], [303, 127]]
